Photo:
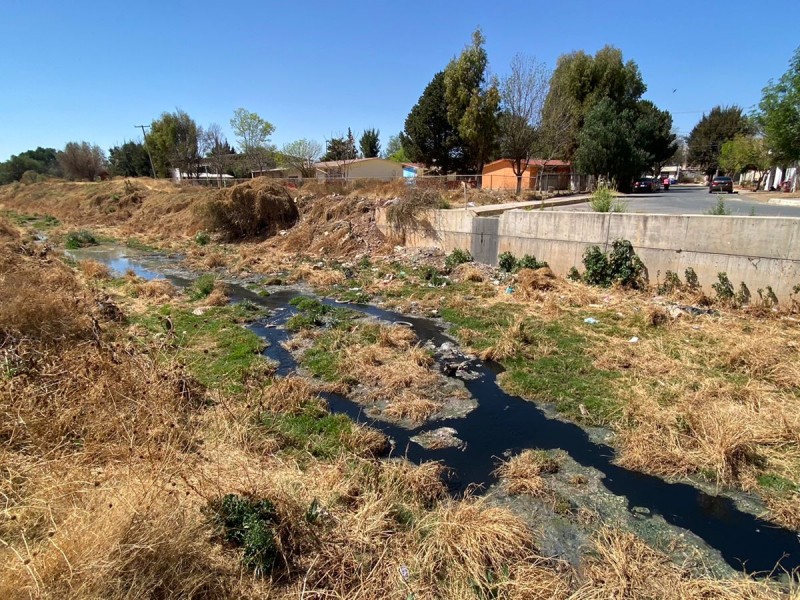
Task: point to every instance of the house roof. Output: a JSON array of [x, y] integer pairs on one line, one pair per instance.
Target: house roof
[[533, 161], [341, 163]]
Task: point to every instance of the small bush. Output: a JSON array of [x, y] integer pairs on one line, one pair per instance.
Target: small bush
[[574, 274], [80, 239], [604, 200], [692, 281], [406, 210], [530, 262], [201, 238], [719, 209], [723, 288], [250, 524], [457, 257], [672, 283], [507, 262], [621, 266], [767, 297], [202, 287]]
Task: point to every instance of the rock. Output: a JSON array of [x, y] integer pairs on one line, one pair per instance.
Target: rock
[[641, 510], [436, 439]]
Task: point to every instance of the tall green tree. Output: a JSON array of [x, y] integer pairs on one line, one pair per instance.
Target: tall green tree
[[745, 153], [522, 95], [174, 142], [705, 141], [780, 113], [82, 160], [42, 160], [369, 143], [428, 137], [654, 135], [129, 160], [580, 81], [472, 102], [341, 149], [253, 135]]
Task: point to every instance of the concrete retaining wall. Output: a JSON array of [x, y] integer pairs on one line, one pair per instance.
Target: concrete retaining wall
[[760, 251]]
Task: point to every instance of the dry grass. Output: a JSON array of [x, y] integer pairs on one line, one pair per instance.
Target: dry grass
[[625, 567], [214, 260], [288, 395], [522, 474], [160, 289], [316, 276], [530, 281], [218, 296], [93, 269]]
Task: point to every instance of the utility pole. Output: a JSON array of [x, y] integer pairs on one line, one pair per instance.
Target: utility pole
[[146, 147]]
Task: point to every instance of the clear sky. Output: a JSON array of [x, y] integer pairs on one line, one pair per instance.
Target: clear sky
[[86, 70]]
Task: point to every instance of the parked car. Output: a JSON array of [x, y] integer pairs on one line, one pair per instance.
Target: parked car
[[646, 184], [721, 184]]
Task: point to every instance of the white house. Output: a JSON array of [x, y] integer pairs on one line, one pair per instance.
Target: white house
[[366, 168]]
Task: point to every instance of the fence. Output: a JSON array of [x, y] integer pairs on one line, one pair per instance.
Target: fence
[[547, 183]]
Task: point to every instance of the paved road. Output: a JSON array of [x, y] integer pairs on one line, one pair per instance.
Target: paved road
[[694, 200]]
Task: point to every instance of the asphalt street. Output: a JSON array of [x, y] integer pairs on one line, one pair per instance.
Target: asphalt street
[[694, 200]]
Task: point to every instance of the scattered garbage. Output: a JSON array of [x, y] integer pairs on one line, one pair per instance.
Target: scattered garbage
[[633, 340], [591, 321], [509, 290]]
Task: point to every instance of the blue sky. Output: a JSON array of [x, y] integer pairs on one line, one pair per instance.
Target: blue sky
[[91, 71]]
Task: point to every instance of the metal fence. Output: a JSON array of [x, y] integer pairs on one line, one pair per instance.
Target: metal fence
[[547, 183]]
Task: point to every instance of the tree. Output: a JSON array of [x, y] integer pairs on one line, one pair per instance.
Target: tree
[[252, 134], [370, 143], [745, 153], [621, 144], [216, 149], [472, 105], [780, 113], [428, 136], [81, 160], [302, 155], [42, 160], [714, 129], [174, 143], [395, 151], [341, 149], [581, 81], [129, 160], [554, 141], [522, 95]]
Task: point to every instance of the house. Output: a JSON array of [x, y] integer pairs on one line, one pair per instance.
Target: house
[[278, 173], [366, 168], [499, 175]]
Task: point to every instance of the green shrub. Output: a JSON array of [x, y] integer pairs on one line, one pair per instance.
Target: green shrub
[[507, 262], [250, 524], [692, 281], [313, 313], [604, 200], [574, 274], [457, 257], [530, 262], [719, 209], [202, 287], [768, 297], [743, 295], [672, 283], [80, 239], [621, 265], [723, 288], [201, 238]]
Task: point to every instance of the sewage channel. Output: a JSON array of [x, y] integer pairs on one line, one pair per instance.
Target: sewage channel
[[504, 423]]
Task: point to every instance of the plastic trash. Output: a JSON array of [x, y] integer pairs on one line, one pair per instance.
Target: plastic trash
[[591, 321], [633, 340], [509, 290]]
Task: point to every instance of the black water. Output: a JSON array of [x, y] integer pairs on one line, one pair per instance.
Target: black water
[[502, 422]]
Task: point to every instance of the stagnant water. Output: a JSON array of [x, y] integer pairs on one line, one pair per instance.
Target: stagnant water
[[502, 422]]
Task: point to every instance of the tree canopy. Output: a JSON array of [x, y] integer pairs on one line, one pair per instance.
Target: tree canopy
[[129, 160], [705, 141], [395, 151], [780, 113], [341, 149], [472, 104], [581, 81], [253, 135], [174, 143], [369, 143], [82, 160], [302, 155], [428, 136], [42, 160]]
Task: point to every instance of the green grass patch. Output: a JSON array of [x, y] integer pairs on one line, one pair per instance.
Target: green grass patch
[[312, 313], [217, 349], [777, 483], [313, 431], [80, 239], [36, 221], [135, 244], [202, 287], [488, 322]]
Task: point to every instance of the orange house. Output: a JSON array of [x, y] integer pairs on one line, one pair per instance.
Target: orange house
[[499, 175]]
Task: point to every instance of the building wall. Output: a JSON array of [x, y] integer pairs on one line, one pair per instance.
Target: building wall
[[377, 168], [501, 177], [760, 251]]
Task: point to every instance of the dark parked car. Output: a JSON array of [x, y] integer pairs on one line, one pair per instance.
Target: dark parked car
[[644, 184], [721, 184]]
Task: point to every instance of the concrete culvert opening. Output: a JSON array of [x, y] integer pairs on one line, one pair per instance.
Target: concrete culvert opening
[[258, 208]]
